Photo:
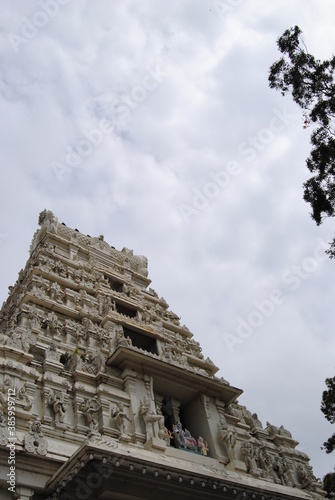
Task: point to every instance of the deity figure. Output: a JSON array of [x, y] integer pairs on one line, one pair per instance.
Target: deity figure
[[202, 446], [23, 398], [150, 418], [248, 453], [306, 477], [280, 467], [90, 409], [228, 437], [167, 436], [120, 416], [59, 406]]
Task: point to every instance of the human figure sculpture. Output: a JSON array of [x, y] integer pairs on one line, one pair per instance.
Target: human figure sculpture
[[280, 467], [190, 441], [248, 454], [120, 416], [202, 446], [23, 398], [179, 436], [228, 437], [56, 401], [306, 477], [150, 418], [90, 408]]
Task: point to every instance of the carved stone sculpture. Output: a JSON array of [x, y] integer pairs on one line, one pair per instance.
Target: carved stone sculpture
[[3, 430], [51, 353], [120, 416], [47, 218], [58, 405], [23, 398], [150, 418], [94, 362], [247, 451], [264, 461], [280, 467], [34, 440], [228, 438], [280, 431], [90, 408], [306, 478]]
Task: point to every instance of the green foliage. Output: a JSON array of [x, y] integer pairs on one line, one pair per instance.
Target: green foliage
[[311, 83], [329, 484], [328, 409]]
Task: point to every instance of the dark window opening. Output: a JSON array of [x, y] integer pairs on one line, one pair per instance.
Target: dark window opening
[[115, 285], [126, 311], [142, 341]]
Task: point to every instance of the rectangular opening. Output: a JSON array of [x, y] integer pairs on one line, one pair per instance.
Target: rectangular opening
[[131, 313], [115, 285], [142, 341]]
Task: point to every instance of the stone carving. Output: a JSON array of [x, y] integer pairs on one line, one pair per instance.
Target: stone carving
[[280, 466], [263, 460], [257, 423], [306, 477], [27, 339], [281, 431], [90, 408], [48, 220], [120, 416], [14, 341], [251, 419], [150, 419], [5, 386], [94, 362], [34, 317], [53, 324], [138, 262], [23, 399], [55, 292], [72, 362], [234, 412], [51, 354], [227, 437], [172, 317], [248, 452], [3, 430], [121, 340], [59, 406], [171, 354], [34, 440]]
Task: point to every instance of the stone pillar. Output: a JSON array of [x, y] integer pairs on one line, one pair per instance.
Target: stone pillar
[[129, 377]]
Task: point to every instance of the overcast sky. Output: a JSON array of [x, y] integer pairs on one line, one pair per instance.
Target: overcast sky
[[151, 122]]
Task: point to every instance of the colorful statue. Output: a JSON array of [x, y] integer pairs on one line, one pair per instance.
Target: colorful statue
[[202, 446], [190, 442]]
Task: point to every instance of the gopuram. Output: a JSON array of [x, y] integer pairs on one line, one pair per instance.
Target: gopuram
[[105, 395]]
